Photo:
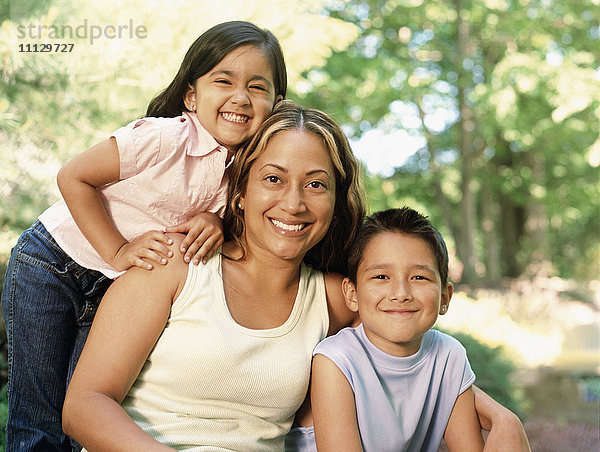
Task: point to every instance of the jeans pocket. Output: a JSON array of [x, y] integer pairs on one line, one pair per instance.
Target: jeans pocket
[[94, 285]]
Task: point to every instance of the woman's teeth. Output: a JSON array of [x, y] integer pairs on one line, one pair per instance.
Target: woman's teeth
[[288, 227], [235, 118]]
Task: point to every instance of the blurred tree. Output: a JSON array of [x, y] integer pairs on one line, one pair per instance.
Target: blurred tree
[[506, 94]]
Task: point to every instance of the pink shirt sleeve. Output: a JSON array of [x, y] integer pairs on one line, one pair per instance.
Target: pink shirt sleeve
[[139, 145]]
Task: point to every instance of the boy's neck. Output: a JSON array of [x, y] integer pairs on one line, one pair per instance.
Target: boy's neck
[[398, 350]]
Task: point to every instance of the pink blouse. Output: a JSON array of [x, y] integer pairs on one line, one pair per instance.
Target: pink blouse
[[171, 169]]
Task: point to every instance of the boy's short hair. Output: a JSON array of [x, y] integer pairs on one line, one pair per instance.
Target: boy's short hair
[[403, 221]]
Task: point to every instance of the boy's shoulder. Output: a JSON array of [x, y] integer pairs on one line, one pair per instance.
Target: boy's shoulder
[[342, 343], [446, 342]]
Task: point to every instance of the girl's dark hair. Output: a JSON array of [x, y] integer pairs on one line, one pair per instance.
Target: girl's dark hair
[[207, 51], [403, 221], [331, 253]]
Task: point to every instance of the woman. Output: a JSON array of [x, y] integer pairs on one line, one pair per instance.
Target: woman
[[228, 345], [219, 355]]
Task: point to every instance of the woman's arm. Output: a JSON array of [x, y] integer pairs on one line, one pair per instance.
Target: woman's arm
[[78, 181], [463, 432], [506, 430], [334, 408], [131, 317]]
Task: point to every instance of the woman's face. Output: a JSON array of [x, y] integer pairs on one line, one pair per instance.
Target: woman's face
[[290, 196]]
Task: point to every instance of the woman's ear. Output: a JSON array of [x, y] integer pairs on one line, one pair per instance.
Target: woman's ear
[[446, 296], [189, 99], [349, 290], [278, 99]]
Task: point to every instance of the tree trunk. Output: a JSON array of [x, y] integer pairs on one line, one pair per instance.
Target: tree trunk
[[491, 249], [536, 223], [468, 229]]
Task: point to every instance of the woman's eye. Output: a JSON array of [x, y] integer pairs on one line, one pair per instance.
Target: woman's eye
[[273, 179], [316, 184]]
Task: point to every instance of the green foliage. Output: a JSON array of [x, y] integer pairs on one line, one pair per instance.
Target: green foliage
[[493, 370], [508, 101]]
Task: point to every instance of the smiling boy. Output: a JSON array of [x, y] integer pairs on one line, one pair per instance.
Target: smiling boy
[[392, 383]]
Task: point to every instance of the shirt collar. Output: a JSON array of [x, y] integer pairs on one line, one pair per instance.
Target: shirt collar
[[200, 142]]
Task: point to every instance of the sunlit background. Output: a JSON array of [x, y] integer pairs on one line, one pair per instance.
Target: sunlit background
[[483, 114]]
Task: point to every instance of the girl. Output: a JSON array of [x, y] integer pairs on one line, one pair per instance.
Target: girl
[[166, 171], [392, 383]]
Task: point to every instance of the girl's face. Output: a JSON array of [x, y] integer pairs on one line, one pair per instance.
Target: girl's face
[[234, 97], [289, 197], [398, 292]]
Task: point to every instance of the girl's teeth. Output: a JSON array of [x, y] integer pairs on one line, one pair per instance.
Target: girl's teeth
[[235, 118], [288, 227]]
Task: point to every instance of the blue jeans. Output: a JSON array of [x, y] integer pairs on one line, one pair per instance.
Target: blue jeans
[[48, 303]]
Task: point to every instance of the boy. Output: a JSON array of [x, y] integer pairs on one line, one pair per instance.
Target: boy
[[392, 383]]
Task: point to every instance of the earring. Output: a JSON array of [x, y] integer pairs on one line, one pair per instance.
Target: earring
[[443, 309], [240, 206], [194, 108]]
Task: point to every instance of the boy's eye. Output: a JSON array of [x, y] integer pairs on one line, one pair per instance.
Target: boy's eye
[[421, 278], [380, 277], [259, 87], [225, 82]]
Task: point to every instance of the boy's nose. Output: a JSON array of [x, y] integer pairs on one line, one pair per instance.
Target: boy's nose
[[400, 292]]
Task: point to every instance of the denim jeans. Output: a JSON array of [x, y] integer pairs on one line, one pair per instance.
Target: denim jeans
[[48, 303]]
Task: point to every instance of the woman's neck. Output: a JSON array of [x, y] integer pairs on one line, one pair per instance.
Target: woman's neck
[[263, 267], [260, 293]]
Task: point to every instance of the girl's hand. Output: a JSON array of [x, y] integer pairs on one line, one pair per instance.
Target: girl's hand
[[151, 246], [204, 236]]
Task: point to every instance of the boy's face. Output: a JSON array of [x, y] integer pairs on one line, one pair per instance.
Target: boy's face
[[398, 292]]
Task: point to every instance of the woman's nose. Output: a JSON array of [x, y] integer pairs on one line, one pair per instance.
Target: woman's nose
[[293, 200]]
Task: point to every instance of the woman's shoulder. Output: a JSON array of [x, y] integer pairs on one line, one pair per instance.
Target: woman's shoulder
[[173, 274]]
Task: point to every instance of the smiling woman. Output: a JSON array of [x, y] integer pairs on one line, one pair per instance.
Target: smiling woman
[[220, 353], [339, 177], [291, 192]]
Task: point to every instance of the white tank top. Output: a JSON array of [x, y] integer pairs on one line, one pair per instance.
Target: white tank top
[[212, 385]]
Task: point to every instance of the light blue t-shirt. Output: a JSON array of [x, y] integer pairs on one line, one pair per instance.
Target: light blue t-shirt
[[402, 403]]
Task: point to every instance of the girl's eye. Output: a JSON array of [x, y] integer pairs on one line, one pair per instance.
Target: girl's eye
[[259, 87], [222, 81], [421, 278]]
